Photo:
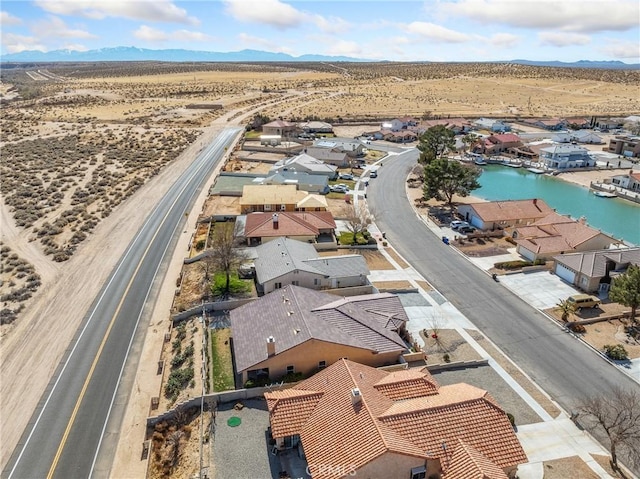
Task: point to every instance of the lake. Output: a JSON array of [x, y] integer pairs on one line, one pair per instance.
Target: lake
[[616, 217]]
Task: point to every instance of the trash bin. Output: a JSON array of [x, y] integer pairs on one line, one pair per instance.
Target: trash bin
[[445, 240]]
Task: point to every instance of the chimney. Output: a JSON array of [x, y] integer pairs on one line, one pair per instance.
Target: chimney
[[274, 217], [356, 397], [271, 346], [583, 220]]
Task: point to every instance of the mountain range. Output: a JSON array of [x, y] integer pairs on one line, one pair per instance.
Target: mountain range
[[179, 55]]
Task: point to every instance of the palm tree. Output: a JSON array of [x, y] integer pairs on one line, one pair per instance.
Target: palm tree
[[567, 308]]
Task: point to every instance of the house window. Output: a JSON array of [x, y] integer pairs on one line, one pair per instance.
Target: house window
[[418, 472], [277, 285], [316, 281], [290, 369], [267, 207], [322, 364]]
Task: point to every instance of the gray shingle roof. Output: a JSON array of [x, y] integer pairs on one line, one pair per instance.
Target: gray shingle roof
[[340, 266], [594, 263], [281, 256], [294, 315]]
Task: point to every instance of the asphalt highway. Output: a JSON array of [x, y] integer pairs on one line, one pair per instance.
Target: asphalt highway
[[65, 432], [563, 366]]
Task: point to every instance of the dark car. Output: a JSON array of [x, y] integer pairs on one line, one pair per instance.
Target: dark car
[[466, 229]]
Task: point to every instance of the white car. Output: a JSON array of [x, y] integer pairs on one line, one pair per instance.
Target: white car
[[455, 224], [346, 176]]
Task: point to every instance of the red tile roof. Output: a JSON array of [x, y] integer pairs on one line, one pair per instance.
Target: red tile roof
[[505, 138], [390, 416], [289, 224], [469, 463], [495, 211]]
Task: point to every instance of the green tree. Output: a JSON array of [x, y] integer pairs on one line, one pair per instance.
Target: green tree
[[625, 289], [567, 308], [444, 178], [468, 140], [225, 254], [434, 143]]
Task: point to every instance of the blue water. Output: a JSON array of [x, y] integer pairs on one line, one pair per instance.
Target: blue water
[[616, 217]]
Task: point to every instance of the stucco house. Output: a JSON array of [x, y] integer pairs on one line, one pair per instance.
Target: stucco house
[[625, 145], [504, 214], [300, 330], [286, 261], [592, 271], [498, 143], [559, 157], [315, 227], [493, 125], [630, 181], [270, 198], [303, 181], [304, 163], [457, 125], [353, 148], [579, 136], [400, 424], [330, 157], [279, 127], [315, 127], [557, 234]]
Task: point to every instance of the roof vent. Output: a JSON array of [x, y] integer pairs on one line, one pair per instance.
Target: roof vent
[[356, 396]]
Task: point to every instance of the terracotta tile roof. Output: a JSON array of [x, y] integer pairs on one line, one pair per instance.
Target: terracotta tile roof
[[407, 384], [469, 463], [296, 223], [511, 210], [290, 410], [505, 138], [458, 411], [341, 431]]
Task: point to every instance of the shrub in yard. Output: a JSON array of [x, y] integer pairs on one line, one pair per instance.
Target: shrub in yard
[[200, 245], [577, 328], [512, 264], [509, 239], [177, 381], [616, 352], [512, 419]]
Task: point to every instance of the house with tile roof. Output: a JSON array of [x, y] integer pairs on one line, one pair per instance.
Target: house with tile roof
[[498, 143], [278, 198], [300, 330], [557, 234], [381, 424], [279, 127], [592, 271], [559, 157], [504, 214], [286, 261], [304, 163], [328, 156], [353, 148], [315, 227]]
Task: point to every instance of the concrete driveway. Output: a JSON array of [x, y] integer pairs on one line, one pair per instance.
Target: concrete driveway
[[540, 289]]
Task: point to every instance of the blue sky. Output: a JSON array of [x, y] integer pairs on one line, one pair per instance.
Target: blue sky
[[431, 30]]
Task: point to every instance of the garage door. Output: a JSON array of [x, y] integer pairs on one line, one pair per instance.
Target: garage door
[[565, 273]]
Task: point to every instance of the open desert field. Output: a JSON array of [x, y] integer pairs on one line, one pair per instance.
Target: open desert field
[[88, 149]]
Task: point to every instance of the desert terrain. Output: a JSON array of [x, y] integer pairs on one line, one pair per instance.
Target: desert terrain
[[88, 150]]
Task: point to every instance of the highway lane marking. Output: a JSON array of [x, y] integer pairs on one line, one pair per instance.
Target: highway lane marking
[[83, 391], [121, 263]]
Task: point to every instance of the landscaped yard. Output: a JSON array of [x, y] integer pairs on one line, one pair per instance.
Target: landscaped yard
[[221, 365]]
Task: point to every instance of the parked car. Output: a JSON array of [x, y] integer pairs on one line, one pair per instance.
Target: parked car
[[466, 229], [346, 176], [584, 301], [455, 224], [340, 188]]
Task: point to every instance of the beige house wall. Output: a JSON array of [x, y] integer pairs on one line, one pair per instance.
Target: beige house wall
[[273, 208], [304, 278], [394, 465], [306, 356]]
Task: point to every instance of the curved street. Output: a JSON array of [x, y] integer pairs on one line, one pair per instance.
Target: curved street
[[66, 431], [564, 367]]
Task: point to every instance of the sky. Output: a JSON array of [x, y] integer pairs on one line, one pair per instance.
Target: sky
[[428, 30]]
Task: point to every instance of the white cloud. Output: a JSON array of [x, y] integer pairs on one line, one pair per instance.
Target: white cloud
[[146, 10], [75, 46], [563, 39], [568, 15], [331, 24], [13, 43], [7, 19], [344, 47], [150, 34], [250, 41], [436, 33], [622, 49], [504, 40], [54, 27], [271, 12]]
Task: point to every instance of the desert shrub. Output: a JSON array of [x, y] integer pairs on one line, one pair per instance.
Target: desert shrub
[[510, 265], [177, 381], [616, 352], [577, 328], [200, 245], [509, 239], [512, 419]]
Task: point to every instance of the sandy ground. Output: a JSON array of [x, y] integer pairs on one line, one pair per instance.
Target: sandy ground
[[584, 178]]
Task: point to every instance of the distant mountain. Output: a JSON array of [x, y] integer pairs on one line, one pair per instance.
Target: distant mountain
[[119, 54], [611, 65]]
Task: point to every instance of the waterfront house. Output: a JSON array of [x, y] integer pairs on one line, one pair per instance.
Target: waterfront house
[[559, 157], [557, 234], [499, 143], [286, 261], [300, 330], [592, 271], [279, 127], [504, 214], [580, 136], [629, 181], [625, 145], [380, 425], [315, 227]]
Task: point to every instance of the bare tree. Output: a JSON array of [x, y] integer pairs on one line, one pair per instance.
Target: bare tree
[[618, 415], [357, 219], [225, 253]]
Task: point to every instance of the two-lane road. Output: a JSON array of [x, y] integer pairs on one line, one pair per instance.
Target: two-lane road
[[65, 433], [562, 366]]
